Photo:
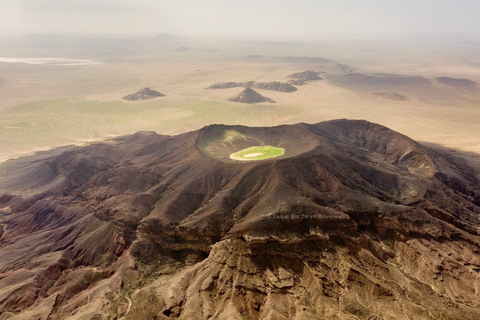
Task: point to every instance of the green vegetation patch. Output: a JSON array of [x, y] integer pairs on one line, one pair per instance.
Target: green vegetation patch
[[257, 153]]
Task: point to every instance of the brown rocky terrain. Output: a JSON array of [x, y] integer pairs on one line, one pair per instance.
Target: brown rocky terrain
[[391, 95], [276, 86], [354, 221], [460, 83], [228, 85], [273, 85], [306, 76], [345, 68], [298, 79], [436, 90], [250, 96], [382, 80], [143, 94]]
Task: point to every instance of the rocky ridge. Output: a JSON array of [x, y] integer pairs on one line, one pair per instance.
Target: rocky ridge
[[143, 94], [301, 78], [250, 96], [457, 83], [390, 95], [354, 221], [273, 85]]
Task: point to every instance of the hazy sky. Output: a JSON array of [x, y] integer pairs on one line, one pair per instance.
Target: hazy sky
[[267, 19]]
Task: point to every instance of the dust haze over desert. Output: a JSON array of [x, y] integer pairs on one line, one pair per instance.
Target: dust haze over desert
[[206, 159]]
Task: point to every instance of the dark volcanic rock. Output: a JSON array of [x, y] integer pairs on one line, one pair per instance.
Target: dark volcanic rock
[[273, 85], [305, 76], [143, 94], [225, 85], [297, 82], [276, 86], [345, 68], [390, 95], [353, 221], [250, 96]]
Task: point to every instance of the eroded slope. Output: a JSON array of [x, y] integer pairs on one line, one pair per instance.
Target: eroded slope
[[355, 221]]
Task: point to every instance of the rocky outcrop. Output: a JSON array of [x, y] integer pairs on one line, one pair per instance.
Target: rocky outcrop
[[250, 96], [226, 85], [273, 85], [276, 86], [354, 221], [143, 94], [303, 77], [390, 95]]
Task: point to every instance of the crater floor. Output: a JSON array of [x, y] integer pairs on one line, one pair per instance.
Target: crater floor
[[257, 153], [239, 143]]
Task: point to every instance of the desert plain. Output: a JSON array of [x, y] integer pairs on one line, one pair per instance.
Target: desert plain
[[342, 219], [59, 91]]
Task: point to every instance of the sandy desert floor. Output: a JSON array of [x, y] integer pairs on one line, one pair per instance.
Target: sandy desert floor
[[47, 105]]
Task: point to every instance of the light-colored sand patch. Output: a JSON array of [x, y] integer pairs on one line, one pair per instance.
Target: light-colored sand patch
[[50, 61], [251, 155]]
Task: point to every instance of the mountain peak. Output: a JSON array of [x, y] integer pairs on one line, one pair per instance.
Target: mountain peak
[[144, 94], [351, 218], [250, 96]]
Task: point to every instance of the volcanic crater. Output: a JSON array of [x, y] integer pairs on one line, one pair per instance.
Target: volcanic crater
[[220, 141], [353, 219]]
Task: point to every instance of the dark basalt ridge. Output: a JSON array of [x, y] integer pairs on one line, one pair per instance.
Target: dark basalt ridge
[[273, 85], [305, 76], [250, 96], [390, 95], [143, 94], [355, 221]]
